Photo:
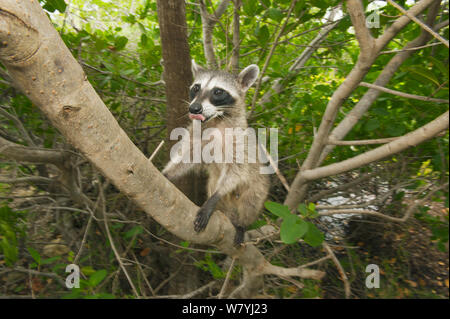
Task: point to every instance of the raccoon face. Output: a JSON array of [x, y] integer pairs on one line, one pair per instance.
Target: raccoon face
[[214, 93]]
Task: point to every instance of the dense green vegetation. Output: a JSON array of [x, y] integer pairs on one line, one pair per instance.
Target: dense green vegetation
[[118, 44]]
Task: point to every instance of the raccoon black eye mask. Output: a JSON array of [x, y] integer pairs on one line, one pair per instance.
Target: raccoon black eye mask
[[220, 97]]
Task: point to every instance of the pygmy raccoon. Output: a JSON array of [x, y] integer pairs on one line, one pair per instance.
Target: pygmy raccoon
[[217, 99]]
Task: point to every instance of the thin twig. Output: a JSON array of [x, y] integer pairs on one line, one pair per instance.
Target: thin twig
[[340, 269], [362, 142], [412, 49], [275, 167], [423, 25], [156, 151], [269, 56], [111, 242], [405, 95], [227, 278]]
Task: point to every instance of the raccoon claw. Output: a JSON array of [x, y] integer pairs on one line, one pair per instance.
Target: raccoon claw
[[201, 220]]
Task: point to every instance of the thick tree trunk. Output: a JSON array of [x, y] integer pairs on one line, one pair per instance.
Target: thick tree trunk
[[178, 77]]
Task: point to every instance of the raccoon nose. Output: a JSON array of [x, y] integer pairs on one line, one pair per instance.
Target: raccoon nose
[[195, 108]]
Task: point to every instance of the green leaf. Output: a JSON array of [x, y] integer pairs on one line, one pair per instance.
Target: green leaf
[[395, 130], [278, 209], [275, 14], [314, 237], [262, 34], [52, 5], [36, 256], [442, 68], [292, 229], [424, 73], [136, 230], [120, 42], [50, 260], [250, 7], [303, 210], [372, 125], [87, 270], [97, 277]]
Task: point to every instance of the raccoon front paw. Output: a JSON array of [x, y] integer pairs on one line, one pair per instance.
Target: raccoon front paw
[[202, 219]]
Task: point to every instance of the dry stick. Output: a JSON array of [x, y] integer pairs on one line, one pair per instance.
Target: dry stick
[[208, 23], [138, 264], [412, 49], [189, 295], [227, 278], [236, 38], [39, 273], [318, 261], [19, 126], [340, 269], [30, 179], [423, 25], [362, 142], [272, 50], [83, 241], [165, 281], [113, 246], [275, 167], [405, 95], [342, 187], [156, 151]]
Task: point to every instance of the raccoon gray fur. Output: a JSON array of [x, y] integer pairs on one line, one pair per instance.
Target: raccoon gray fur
[[217, 99]]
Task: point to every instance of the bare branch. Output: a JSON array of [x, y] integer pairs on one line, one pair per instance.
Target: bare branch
[[111, 242], [365, 39], [30, 179], [269, 57], [208, 23], [300, 272], [342, 187], [26, 154], [227, 278], [300, 62], [411, 139], [422, 25], [236, 38], [339, 268], [383, 79], [362, 142], [401, 22], [402, 94]]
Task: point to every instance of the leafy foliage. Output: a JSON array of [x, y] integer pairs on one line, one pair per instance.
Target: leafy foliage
[[118, 45]]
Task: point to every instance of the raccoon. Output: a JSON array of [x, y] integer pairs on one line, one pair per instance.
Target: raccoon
[[217, 100]]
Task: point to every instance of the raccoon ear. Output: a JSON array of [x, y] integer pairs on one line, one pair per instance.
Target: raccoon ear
[[196, 69], [248, 76]]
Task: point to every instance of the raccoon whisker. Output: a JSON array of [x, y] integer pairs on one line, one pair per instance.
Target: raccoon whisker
[[186, 101]]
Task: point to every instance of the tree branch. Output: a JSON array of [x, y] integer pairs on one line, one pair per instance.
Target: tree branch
[[411, 139], [341, 130], [402, 94], [367, 56], [422, 25], [208, 23]]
